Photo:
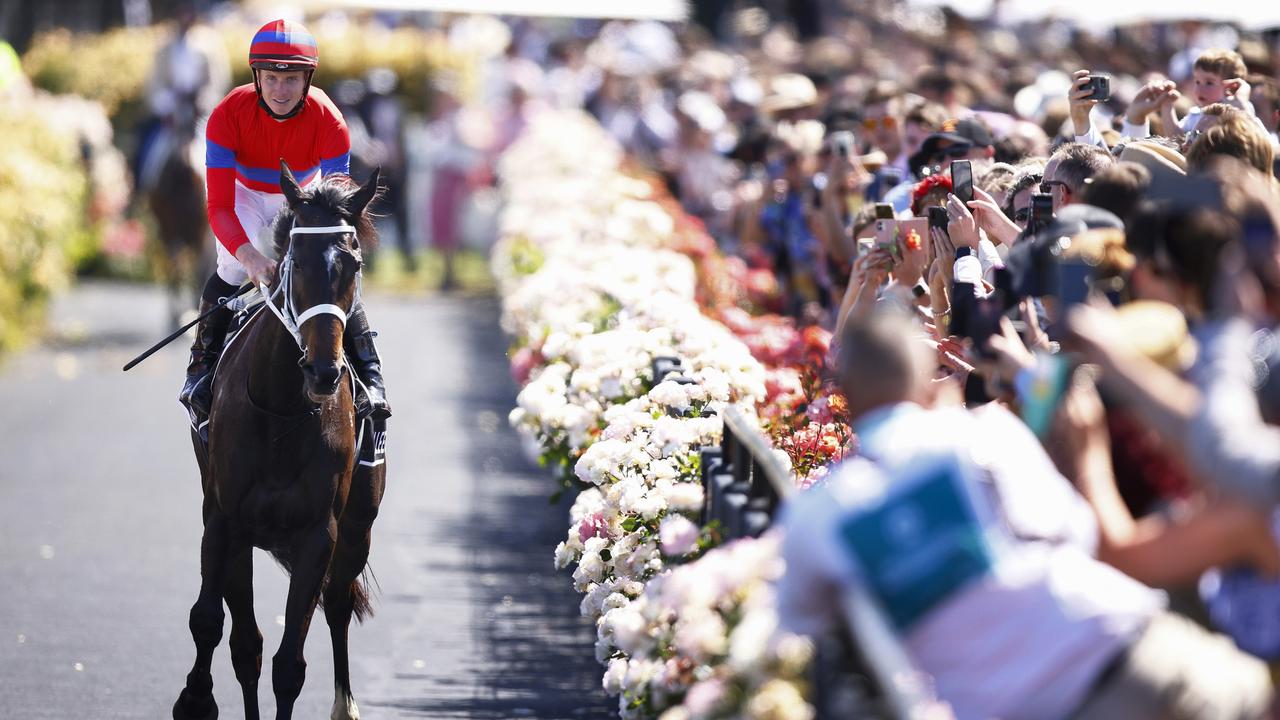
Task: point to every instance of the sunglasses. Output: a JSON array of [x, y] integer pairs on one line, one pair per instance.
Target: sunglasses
[[888, 122], [1046, 186]]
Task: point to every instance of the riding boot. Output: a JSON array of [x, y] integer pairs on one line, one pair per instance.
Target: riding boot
[[211, 334], [363, 356]]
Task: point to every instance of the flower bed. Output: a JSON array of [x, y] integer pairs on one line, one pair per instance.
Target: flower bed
[[601, 274]]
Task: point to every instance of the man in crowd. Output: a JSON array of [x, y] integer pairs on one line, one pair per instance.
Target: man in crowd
[[982, 555]]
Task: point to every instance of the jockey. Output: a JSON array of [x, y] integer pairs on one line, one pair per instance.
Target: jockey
[[280, 116]]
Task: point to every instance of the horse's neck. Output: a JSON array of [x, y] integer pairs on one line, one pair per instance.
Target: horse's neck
[[275, 382]]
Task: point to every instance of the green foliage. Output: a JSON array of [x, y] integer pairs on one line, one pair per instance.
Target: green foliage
[[43, 219], [111, 67]]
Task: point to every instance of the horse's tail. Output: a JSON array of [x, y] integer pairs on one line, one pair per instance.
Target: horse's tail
[[361, 598], [362, 601]]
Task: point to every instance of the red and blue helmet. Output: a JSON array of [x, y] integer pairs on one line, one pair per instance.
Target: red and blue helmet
[[282, 45]]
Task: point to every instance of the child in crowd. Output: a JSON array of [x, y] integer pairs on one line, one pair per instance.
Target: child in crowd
[[1218, 77]]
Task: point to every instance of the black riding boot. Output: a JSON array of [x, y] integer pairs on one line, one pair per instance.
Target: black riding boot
[[211, 334], [363, 357]]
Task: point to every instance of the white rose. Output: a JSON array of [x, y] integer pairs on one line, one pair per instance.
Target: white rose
[[685, 496], [614, 675]]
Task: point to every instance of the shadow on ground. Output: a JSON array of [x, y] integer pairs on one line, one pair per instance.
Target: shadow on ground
[[538, 652]]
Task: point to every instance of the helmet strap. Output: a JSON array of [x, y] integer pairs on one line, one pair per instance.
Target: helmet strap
[[262, 103]]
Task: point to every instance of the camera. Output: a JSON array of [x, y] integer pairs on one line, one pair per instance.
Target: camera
[[1041, 213], [1099, 87], [842, 143]]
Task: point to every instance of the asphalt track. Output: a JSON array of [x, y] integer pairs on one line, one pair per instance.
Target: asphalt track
[[100, 530]]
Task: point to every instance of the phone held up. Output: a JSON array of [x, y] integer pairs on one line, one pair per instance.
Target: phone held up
[[1099, 87], [962, 180], [938, 218], [842, 143]]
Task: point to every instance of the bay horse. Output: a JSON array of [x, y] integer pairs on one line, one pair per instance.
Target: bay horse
[[176, 198], [280, 471]]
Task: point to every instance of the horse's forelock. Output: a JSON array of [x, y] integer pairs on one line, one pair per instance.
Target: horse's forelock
[[331, 196]]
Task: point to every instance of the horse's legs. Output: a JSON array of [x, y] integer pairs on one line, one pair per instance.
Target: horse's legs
[[246, 639], [196, 700], [310, 554], [341, 597]]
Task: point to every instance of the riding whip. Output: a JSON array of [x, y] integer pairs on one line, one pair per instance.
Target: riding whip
[[177, 333]]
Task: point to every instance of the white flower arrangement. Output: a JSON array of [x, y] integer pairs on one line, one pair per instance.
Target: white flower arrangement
[[591, 296]]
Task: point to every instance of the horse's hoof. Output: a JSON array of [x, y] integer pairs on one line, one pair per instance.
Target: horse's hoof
[[187, 709]]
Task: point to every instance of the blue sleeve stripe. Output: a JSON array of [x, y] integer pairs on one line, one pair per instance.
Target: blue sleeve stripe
[[340, 164], [216, 156], [271, 176]]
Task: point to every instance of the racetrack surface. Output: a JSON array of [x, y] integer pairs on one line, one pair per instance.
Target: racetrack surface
[[100, 530]]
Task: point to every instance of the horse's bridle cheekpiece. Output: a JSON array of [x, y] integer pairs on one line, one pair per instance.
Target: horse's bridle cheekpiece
[[288, 314]]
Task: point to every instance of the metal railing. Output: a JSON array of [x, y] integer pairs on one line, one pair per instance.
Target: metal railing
[[862, 671]]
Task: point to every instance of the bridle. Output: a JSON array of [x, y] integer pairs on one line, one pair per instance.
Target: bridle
[[288, 314]]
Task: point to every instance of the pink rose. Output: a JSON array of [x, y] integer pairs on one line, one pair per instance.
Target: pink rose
[[678, 535]]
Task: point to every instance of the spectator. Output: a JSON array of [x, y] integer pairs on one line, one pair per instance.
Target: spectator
[[1235, 135], [1118, 188], [1069, 167], [1074, 638], [960, 140], [1025, 183], [882, 125], [1217, 77]]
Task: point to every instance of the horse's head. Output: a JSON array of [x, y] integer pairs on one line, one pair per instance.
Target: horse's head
[[319, 238]]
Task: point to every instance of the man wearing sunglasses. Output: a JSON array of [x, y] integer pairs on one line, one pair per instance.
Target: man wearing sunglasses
[[882, 125], [1069, 167]]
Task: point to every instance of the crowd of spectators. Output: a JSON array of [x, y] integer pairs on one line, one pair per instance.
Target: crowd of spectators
[[1050, 262]]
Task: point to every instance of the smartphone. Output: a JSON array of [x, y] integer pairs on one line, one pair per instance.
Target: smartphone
[[938, 218], [1040, 391], [884, 211], [913, 233], [1041, 212], [1099, 87], [866, 245], [962, 180], [887, 236], [819, 184], [842, 143]]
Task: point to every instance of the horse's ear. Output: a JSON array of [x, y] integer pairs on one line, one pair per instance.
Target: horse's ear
[[361, 198], [288, 185]]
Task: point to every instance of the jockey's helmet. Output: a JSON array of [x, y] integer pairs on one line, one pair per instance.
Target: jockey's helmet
[[283, 46]]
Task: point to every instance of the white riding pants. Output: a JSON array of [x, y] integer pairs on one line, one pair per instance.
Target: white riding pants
[[257, 213]]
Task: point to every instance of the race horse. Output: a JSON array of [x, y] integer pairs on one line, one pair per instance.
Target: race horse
[[280, 470], [175, 194]]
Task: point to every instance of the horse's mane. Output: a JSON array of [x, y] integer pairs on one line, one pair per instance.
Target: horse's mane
[[333, 193]]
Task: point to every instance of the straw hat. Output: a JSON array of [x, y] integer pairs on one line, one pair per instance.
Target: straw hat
[[1159, 331], [1157, 158], [789, 91]]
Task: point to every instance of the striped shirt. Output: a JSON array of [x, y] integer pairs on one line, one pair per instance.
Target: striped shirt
[[244, 145]]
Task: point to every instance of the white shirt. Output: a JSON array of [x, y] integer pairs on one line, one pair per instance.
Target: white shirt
[[1029, 639]]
